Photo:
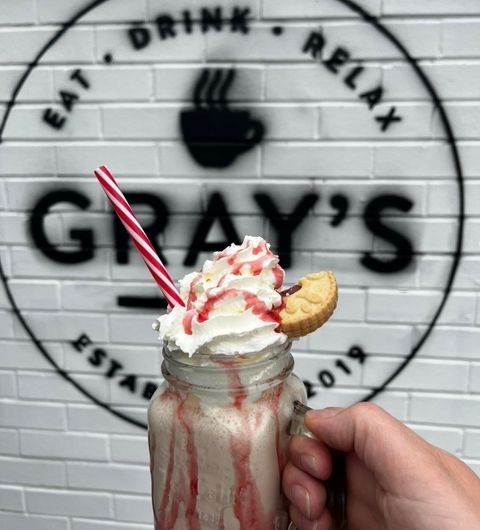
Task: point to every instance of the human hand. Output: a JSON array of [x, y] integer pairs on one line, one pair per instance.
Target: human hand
[[395, 479]]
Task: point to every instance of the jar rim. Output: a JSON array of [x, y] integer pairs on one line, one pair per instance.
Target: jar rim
[[220, 362], [270, 365]]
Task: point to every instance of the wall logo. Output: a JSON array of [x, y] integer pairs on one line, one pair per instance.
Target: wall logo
[[220, 122], [215, 134]]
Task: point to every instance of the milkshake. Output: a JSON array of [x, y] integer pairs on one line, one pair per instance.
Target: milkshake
[[218, 425]]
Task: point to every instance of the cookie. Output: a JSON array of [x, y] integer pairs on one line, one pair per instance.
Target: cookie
[[310, 305]]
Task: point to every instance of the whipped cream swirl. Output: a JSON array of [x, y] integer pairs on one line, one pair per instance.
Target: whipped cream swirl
[[231, 306]]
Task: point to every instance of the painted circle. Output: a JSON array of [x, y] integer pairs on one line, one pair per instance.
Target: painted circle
[[456, 252]]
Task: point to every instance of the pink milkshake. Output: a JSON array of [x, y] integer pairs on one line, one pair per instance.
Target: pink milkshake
[[218, 424]]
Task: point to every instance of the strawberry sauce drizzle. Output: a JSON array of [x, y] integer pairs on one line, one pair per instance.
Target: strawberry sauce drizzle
[[247, 506], [185, 490], [182, 490], [252, 302], [238, 266], [186, 421]]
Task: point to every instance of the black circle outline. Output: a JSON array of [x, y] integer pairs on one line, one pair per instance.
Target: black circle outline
[[370, 19], [4, 278]]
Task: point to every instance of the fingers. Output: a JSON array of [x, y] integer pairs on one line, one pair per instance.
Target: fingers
[[324, 522], [311, 456], [309, 465], [305, 493]]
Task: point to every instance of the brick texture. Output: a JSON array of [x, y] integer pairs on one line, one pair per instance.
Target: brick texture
[[348, 123]]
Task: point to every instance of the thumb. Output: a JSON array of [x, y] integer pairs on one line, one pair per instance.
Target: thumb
[[366, 430]]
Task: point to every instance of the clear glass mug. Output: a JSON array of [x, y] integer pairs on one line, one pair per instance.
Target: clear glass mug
[[218, 437]]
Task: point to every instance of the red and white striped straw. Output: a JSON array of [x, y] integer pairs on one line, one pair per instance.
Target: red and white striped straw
[[138, 235]]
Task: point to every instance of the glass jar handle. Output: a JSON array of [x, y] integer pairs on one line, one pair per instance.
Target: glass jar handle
[[336, 485]]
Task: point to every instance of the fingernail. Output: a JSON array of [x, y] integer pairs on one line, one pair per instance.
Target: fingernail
[[301, 499], [309, 464], [326, 413]]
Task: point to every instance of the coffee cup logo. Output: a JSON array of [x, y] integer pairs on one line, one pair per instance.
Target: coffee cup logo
[[214, 133]]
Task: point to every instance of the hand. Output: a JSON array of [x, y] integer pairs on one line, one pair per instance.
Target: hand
[[395, 479]]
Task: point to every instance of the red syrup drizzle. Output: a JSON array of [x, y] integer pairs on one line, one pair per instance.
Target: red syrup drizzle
[[185, 489], [255, 267], [221, 524], [247, 501], [186, 421], [258, 308], [247, 507], [152, 445]]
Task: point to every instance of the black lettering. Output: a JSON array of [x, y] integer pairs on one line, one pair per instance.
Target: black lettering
[[76, 75], [352, 76], [130, 382], [355, 352], [338, 58], [149, 390], [165, 27], [326, 378], [372, 217], [211, 19], [187, 21], [114, 367], [239, 20], [53, 118], [68, 99], [36, 227], [344, 367], [309, 388], [139, 37], [314, 44], [388, 118], [82, 342], [152, 229], [216, 211], [341, 204], [97, 356], [285, 224], [142, 302], [373, 97]]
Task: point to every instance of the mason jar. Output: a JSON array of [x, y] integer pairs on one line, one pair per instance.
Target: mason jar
[[218, 436]]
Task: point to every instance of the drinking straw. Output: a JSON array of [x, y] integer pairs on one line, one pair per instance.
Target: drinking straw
[[139, 237]]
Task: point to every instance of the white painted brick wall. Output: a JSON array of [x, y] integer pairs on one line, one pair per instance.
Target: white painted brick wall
[[441, 7], [78, 504], [131, 449], [12, 498], [33, 472], [130, 509], [33, 415], [64, 445], [108, 477], [17, 521], [69, 464]]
